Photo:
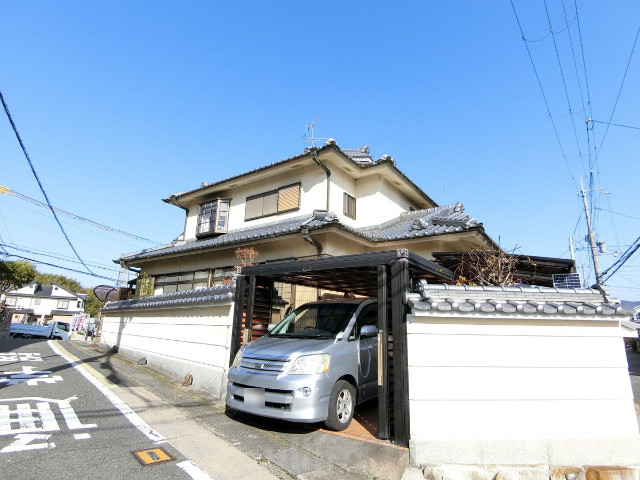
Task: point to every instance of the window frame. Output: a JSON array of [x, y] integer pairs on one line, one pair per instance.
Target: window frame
[[219, 219], [349, 203], [280, 204], [63, 305]]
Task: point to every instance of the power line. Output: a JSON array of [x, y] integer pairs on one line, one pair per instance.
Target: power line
[[614, 124], [58, 266], [33, 170], [544, 97], [626, 70], [13, 193], [564, 83], [64, 259]]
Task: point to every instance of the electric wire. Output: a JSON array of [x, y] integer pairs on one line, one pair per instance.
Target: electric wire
[[626, 70], [39, 262], [33, 201], [619, 214], [544, 96], [33, 252], [562, 76], [33, 170], [614, 124]]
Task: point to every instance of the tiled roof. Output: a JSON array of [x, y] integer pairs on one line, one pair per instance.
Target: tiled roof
[[423, 223], [190, 298], [536, 301], [360, 156], [420, 223]]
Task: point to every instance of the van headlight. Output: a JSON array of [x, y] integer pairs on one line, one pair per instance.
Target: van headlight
[[308, 364], [238, 358]]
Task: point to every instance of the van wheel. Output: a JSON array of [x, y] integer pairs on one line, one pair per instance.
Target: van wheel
[[341, 405]]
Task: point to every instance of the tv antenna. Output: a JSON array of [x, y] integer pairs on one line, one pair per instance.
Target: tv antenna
[[310, 128]]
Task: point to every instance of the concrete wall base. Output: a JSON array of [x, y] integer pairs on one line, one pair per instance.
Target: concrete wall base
[[567, 452], [531, 472], [209, 378]]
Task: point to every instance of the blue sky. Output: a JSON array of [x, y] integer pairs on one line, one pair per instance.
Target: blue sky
[[121, 104]]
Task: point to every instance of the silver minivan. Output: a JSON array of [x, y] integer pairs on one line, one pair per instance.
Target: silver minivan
[[314, 366]]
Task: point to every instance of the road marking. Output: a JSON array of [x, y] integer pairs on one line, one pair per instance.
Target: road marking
[[20, 357], [124, 409], [22, 442], [30, 376], [193, 470], [39, 419]]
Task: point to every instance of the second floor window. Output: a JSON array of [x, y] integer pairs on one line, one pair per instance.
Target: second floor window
[[350, 206], [11, 301], [284, 199], [213, 216], [63, 304]]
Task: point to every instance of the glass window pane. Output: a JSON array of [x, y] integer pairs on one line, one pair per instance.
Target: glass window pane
[[201, 274]]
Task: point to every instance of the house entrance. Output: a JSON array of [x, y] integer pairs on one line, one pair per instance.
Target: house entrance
[[386, 276]]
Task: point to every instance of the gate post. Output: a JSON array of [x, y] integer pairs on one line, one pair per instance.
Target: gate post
[[236, 327], [400, 286], [383, 354]]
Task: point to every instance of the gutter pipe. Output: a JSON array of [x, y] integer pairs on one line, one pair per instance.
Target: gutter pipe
[[314, 156]]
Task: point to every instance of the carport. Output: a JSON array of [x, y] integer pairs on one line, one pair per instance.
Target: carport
[[386, 275]]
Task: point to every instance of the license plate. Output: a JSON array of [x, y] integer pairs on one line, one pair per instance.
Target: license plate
[[254, 397]]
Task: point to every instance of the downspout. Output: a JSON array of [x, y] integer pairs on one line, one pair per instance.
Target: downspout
[[305, 235], [304, 230], [314, 156]]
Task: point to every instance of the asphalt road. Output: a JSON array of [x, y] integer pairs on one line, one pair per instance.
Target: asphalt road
[[56, 423]]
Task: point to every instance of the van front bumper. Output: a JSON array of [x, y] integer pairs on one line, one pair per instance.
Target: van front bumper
[[297, 398]]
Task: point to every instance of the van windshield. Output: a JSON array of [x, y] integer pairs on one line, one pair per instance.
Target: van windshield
[[315, 320]]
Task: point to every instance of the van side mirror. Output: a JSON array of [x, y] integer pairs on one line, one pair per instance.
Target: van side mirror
[[368, 331]]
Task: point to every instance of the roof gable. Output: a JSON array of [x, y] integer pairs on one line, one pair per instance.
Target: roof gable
[[359, 162]]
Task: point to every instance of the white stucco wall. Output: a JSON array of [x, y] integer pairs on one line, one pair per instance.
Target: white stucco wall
[[192, 339], [534, 390]]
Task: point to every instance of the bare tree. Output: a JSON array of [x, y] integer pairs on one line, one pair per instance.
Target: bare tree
[[487, 267], [246, 255]]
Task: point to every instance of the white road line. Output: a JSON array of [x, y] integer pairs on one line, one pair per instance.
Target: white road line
[[128, 413], [193, 470]]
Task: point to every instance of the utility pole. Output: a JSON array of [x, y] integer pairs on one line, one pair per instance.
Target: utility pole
[[592, 238]]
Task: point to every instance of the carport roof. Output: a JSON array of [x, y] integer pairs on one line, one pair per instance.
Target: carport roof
[[356, 273]]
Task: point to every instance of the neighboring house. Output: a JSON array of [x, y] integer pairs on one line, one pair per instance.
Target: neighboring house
[[40, 304], [325, 202]]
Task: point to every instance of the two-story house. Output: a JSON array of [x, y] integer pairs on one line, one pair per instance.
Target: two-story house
[[326, 201], [39, 304]]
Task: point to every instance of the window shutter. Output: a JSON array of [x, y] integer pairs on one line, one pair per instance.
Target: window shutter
[[349, 206], [253, 208], [289, 198], [270, 205]]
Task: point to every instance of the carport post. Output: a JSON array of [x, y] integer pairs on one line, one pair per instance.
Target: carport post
[[236, 327], [400, 286], [248, 322], [383, 358]]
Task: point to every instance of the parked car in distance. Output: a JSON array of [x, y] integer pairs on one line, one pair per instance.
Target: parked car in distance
[[315, 365], [54, 330]]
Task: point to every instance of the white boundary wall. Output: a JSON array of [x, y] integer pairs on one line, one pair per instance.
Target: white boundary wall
[[180, 333], [518, 389]]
